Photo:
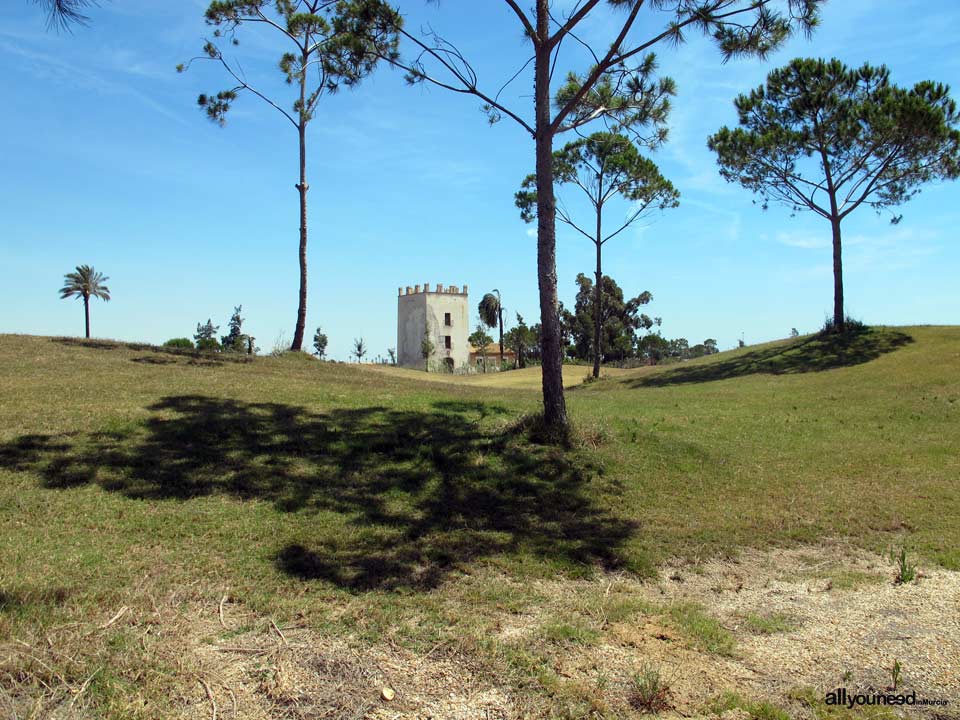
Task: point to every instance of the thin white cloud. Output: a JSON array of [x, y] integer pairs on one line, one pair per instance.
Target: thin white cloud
[[894, 250], [891, 250], [50, 66], [804, 240], [731, 230]]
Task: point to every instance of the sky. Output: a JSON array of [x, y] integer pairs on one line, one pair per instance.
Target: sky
[[106, 160]]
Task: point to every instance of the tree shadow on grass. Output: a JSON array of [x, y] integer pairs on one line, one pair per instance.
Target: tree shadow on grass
[[23, 598], [154, 360], [165, 355], [87, 343], [823, 351], [412, 494]]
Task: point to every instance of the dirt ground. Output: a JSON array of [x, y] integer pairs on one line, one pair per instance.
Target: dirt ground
[[849, 624], [843, 622]]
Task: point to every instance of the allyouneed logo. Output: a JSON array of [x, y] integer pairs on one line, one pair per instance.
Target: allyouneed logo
[[840, 696]]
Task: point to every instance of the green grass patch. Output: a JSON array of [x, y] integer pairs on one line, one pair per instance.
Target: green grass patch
[[851, 579], [573, 632], [625, 609], [770, 623], [757, 710], [497, 594], [703, 631], [814, 704]]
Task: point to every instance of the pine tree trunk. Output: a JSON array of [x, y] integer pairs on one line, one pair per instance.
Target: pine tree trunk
[[554, 405], [302, 187], [597, 307], [839, 319], [86, 314], [838, 314]]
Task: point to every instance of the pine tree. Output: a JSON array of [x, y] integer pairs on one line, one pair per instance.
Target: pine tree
[[328, 44], [615, 89], [824, 137]]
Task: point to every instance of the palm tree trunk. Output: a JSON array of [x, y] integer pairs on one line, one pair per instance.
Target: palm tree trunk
[[554, 405], [839, 319], [86, 314]]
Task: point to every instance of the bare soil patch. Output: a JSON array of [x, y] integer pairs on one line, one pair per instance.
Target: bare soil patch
[[811, 618]]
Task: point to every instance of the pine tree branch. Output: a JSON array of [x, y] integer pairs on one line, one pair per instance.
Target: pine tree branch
[[598, 70], [271, 23], [576, 18], [565, 218], [628, 223], [525, 21], [514, 77], [62, 14], [246, 86], [468, 85]]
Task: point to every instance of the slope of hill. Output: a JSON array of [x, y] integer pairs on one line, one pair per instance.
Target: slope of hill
[[375, 505]]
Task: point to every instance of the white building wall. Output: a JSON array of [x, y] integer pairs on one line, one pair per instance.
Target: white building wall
[[417, 306]]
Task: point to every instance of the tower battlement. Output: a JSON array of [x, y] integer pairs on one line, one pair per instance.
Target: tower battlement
[[425, 288]]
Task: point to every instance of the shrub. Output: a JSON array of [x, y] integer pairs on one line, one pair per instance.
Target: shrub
[[208, 345], [533, 427], [850, 326], [181, 343], [592, 436], [649, 692], [905, 569], [281, 345]]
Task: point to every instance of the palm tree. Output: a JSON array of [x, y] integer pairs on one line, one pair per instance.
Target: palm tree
[[491, 314], [85, 283]]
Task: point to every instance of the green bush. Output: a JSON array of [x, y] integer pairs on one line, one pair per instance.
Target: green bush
[[851, 326], [208, 345], [179, 343]]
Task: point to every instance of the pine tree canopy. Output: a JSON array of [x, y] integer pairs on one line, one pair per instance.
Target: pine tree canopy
[[824, 137]]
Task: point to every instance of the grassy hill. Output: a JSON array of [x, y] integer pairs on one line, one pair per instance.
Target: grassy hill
[[363, 500], [525, 379]]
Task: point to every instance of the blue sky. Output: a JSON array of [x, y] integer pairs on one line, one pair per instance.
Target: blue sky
[[106, 160]]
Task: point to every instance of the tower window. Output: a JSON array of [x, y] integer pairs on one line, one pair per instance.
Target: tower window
[[447, 342], [447, 320]]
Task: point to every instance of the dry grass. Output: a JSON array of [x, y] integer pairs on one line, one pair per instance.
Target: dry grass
[[549, 648], [371, 528]]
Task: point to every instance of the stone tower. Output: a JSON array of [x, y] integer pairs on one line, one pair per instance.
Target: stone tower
[[446, 312]]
